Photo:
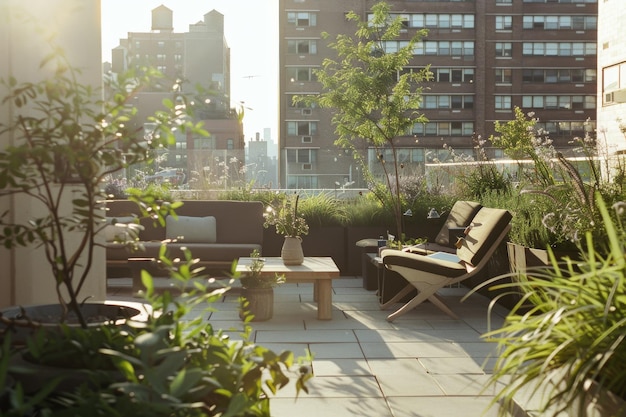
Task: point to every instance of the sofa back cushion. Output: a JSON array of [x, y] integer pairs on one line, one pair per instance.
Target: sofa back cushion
[[460, 215], [191, 229], [486, 227], [236, 221]]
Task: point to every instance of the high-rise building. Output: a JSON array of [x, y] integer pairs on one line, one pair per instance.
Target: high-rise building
[[197, 62], [487, 57], [611, 130]]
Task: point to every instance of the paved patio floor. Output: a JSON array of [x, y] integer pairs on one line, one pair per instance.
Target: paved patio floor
[[424, 364]]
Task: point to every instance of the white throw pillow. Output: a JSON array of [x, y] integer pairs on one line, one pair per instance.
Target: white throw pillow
[[191, 229], [115, 229], [114, 233]]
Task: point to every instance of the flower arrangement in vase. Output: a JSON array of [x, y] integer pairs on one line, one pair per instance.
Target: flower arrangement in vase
[[284, 217]]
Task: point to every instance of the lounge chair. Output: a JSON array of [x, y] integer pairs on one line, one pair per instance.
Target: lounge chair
[[429, 273], [458, 219]]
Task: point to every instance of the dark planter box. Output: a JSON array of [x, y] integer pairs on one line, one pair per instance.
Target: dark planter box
[[327, 241], [321, 241], [354, 253], [272, 242]]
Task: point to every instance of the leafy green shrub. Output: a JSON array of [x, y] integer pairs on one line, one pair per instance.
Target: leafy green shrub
[[367, 211], [169, 365], [573, 333], [323, 210], [485, 178]]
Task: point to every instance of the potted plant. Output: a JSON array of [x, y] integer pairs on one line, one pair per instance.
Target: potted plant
[[283, 215], [257, 290], [554, 205], [66, 140], [562, 346], [169, 364]]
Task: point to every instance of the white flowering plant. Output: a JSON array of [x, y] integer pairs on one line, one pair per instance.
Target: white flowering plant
[[284, 216]]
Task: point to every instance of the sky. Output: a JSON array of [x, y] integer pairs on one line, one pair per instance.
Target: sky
[[251, 30]]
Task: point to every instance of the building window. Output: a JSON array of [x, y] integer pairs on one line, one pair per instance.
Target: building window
[[443, 129], [504, 49], [559, 75], [441, 48], [550, 22], [504, 22], [454, 75], [559, 48], [563, 102], [302, 182], [448, 102], [301, 156], [161, 57], [504, 1], [161, 44], [204, 143], [302, 19], [302, 46], [504, 75], [300, 74], [503, 102], [559, 1], [300, 104], [434, 20], [301, 128]]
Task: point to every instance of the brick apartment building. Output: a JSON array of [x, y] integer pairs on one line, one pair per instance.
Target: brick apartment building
[[200, 58], [487, 56]]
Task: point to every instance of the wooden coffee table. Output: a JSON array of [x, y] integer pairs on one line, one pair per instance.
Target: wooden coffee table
[[318, 270]]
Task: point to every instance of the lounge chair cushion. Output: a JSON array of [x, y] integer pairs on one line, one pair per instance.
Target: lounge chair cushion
[[460, 215], [449, 266], [485, 229]]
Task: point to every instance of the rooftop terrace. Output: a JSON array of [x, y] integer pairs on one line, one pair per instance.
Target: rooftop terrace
[[423, 364]]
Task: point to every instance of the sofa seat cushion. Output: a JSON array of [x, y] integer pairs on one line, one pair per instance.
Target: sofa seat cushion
[[206, 252], [118, 252]]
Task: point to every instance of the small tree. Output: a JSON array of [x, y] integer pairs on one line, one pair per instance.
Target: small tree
[[67, 141], [375, 101], [521, 139]]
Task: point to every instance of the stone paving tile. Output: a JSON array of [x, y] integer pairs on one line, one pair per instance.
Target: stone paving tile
[[444, 406], [423, 364], [326, 407]]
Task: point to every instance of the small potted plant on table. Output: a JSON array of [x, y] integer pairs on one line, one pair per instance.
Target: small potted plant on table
[[258, 291]]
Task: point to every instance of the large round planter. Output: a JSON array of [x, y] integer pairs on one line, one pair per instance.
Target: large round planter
[[291, 252], [21, 322], [260, 303], [33, 377]]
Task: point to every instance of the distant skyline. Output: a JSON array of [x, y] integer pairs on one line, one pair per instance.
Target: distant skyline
[[251, 30]]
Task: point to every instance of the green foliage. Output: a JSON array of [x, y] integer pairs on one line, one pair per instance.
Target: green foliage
[[520, 139], [323, 209], [367, 211], [483, 179], [254, 279], [169, 365], [283, 214], [67, 141], [527, 226], [371, 104], [568, 329]]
